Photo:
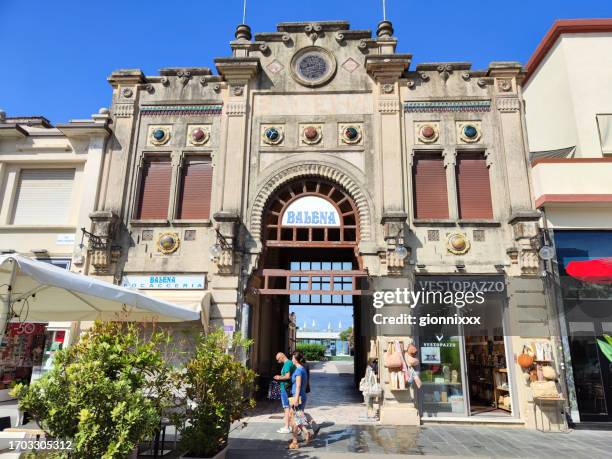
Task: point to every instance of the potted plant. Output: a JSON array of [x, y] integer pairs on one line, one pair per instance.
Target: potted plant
[[104, 394], [217, 389]]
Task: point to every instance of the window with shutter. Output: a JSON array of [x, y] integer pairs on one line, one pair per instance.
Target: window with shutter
[[429, 187], [43, 197], [473, 187], [154, 195], [196, 188]]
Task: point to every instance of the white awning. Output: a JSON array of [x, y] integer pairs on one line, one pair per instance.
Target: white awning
[[41, 292]]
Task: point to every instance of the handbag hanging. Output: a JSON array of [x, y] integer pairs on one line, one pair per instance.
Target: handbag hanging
[[392, 360]]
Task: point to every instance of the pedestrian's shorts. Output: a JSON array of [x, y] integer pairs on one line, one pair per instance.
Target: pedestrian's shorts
[[284, 398]]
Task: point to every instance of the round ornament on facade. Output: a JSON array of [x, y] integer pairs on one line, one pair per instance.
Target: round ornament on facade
[[272, 136], [199, 136], [351, 134], [428, 133], [470, 133], [311, 135], [160, 136], [458, 244], [168, 243], [313, 66]]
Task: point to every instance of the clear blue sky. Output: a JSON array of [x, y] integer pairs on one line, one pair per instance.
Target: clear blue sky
[[56, 54]]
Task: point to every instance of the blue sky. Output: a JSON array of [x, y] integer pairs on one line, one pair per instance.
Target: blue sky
[[56, 55]]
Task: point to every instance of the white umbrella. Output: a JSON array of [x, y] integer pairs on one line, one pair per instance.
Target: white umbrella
[[37, 291]]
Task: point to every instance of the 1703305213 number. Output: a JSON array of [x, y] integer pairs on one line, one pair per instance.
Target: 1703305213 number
[[25, 445]]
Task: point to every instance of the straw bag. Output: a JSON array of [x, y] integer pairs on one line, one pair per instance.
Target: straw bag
[[544, 389], [393, 359]]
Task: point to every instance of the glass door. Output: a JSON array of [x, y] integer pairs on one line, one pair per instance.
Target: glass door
[[443, 391]]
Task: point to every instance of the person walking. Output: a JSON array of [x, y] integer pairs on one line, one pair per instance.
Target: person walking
[[300, 420], [285, 387]]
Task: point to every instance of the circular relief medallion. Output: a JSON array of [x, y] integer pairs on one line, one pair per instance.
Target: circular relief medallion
[[457, 243], [311, 135], [470, 133], [168, 242], [428, 133], [160, 136], [313, 66], [272, 136], [199, 136], [350, 134]]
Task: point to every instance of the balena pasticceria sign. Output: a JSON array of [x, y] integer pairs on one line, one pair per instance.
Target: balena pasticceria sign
[[311, 211]]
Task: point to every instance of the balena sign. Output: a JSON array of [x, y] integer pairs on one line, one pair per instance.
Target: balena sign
[[311, 211]]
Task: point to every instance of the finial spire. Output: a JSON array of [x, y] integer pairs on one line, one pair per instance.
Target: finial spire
[[244, 12], [384, 5]]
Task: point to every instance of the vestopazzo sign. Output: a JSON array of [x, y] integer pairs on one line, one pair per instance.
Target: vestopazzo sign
[[311, 211]]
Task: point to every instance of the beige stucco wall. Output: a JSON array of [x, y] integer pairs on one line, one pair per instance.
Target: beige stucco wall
[[49, 147], [570, 86]]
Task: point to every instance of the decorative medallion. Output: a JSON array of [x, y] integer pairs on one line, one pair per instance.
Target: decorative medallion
[[427, 132], [198, 135], [159, 135], [457, 243], [127, 92], [168, 242], [469, 132], [311, 134], [350, 134], [387, 88], [313, 66], [272, 135], [504, 85]]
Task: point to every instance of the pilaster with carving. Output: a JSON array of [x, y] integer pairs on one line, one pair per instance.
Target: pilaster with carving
[[238, 72], [385, 70]]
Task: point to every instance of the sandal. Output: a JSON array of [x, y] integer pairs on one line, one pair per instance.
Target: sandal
[[294, 445]]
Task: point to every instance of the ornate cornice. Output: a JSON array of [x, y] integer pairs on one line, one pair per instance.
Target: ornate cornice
[[304, 170]]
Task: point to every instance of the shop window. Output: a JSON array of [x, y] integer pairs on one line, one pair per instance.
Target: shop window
[[429, 187], [473, 187], [43, 197], [196, 188], [154, 195]]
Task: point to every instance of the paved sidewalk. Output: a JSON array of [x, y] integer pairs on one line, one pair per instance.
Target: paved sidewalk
[[337, 406], [333, 397], [260, 440]]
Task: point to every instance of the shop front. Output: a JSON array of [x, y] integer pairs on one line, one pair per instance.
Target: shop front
[[464, 348], [586, 317]]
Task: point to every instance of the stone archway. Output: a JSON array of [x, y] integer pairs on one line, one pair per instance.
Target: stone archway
[[310, 170]]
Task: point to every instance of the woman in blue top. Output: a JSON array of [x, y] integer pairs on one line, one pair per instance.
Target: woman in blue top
[[299, 380]]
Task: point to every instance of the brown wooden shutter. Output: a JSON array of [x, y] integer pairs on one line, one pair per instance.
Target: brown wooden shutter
[[429, 187], [196, 188], [473, 187], [155, 189]]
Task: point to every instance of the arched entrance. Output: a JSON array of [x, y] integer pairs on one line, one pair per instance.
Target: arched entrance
[[310, 231]]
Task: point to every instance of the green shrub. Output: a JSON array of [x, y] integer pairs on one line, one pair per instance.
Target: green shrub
[[217, 388], [312, 351], [104, 394]]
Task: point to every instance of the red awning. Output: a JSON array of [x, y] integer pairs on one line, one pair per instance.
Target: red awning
[[597, 271]]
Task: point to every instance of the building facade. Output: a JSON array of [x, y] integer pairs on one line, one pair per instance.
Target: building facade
[[49, 184], [569, 121], [318, 167]]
